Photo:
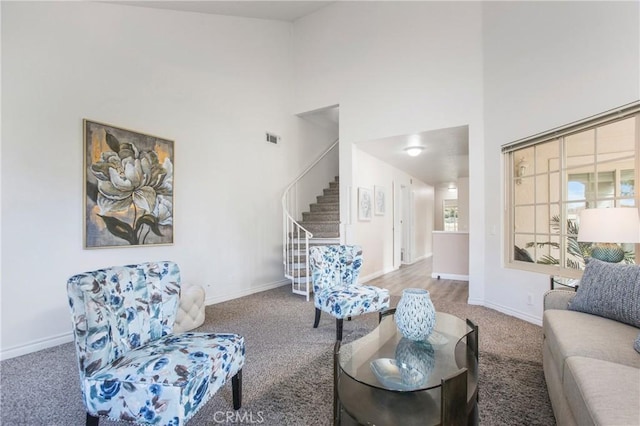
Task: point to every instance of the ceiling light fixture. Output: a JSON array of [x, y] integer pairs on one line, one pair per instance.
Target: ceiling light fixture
[[414, 151]]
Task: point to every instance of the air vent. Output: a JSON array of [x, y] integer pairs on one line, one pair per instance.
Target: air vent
[[271, 138]]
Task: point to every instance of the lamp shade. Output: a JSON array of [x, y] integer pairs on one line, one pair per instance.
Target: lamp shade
[[609, 225]]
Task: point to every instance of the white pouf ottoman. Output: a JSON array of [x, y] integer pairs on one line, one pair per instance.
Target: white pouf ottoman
[[191, 308]]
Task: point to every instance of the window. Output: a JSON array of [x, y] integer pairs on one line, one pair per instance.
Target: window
[[450, 215], [553, 176]]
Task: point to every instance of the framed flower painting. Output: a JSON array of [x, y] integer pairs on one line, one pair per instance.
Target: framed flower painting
[[128, 187]]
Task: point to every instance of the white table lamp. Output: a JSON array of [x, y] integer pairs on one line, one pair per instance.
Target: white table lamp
[[606, 227]]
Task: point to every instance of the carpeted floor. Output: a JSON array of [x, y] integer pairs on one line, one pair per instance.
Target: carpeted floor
[[288, 373]]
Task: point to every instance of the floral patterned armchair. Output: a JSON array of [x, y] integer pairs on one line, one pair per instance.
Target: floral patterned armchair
[[131, 365], [334, 273]]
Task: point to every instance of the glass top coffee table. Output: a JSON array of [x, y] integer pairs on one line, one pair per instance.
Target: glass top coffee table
[[385, 379]]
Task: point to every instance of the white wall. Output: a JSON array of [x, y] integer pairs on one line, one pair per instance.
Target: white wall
[[546, 64], [324, 171], [463, 204], [212, 84], [396, 68], [376, 235]]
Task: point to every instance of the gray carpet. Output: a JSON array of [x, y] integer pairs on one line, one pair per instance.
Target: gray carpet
[[288, 373]]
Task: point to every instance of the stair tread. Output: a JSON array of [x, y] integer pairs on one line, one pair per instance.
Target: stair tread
[[319, 222]]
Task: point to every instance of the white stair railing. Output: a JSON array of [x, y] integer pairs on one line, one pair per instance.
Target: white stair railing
[[295, 238]]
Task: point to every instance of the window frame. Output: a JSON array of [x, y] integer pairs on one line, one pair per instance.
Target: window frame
[[559, 134]]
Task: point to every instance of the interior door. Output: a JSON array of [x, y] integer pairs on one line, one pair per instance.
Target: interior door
[[397, 225]]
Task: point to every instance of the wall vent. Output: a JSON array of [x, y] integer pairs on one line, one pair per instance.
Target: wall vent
[[271, 138]]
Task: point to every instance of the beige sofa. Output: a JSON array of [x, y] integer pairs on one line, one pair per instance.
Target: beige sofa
[[590, 365]]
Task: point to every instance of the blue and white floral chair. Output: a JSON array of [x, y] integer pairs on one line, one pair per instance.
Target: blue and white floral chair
[[334, 273], [132, 367]]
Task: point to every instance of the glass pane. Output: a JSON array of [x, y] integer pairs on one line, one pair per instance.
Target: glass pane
[[617, 138], [577, 185], [547, 155], [523, 162], [627, 183], [542, 188], [572, 211], [604, 204], [554, 212], [580, 148], [574, 253], [521, 251], [554, 187], [547, 249], [606, 185], [543, 219], [630, 252], [523, 191], [524, 219]]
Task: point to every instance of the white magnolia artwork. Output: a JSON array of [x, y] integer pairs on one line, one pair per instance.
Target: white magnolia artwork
[[379, 196], [365, 204]]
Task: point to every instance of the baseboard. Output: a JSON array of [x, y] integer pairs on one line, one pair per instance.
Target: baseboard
[[426, 256], [511, 312], [36, 345], [454, 277], [362, 280], [230, 296], [48, 342]]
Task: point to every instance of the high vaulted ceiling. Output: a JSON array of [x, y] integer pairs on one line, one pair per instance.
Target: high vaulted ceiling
[[445, 157]]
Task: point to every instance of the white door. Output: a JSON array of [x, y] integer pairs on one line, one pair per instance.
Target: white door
[[397, 224]]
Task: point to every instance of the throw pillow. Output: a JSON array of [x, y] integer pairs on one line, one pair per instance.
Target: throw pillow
[[636, 344], [609, 290]]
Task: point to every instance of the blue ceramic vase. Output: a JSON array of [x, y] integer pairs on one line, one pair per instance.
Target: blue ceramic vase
[[415, 315]]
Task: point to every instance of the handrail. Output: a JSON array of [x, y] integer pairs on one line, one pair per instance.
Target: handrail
[[291, 228], [308, 169]]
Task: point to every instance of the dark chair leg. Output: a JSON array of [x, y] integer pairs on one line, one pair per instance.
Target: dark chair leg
[[236, 388], [317, 320], [339, 329], [92, 420]]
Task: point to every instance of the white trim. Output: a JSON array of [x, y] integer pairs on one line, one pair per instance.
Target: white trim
[[246, 292], [36, 345], [362, 280], [454, 277], [511, 312], [48, 342], [426, 256]]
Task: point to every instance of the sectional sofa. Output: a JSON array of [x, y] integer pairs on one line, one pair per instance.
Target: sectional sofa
[[591, 349]]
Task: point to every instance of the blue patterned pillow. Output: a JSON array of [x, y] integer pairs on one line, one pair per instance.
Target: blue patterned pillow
[[609, 290], [636, 344]]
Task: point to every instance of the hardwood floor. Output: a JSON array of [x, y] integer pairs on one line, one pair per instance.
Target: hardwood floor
[[418, 275]]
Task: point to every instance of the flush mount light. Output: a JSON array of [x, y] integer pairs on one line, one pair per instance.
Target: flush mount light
[[414, 151]]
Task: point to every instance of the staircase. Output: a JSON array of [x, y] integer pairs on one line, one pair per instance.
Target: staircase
[[323, 223], [319, 226], [323, 219]]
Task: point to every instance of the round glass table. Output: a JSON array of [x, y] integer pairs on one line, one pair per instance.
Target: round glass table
[[385, 379]]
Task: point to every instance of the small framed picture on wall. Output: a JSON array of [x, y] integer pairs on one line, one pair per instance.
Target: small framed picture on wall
[[365, 204], [379, 200]]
